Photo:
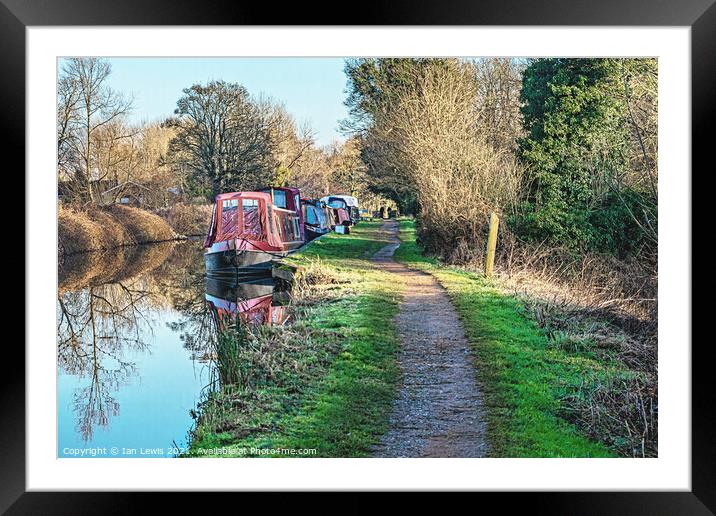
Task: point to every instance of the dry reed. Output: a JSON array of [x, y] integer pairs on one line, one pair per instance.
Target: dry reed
[[188, 219], [92, 229], [605, 308], [143, 227]]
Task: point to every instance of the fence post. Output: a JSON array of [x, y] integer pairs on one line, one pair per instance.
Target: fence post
[[491, 244]]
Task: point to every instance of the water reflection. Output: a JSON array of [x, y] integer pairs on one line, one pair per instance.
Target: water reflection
[[97, 326], [253, 303], [137, 333]]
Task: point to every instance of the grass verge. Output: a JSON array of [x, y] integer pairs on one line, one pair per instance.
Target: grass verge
[[325, 382], [523, 375]]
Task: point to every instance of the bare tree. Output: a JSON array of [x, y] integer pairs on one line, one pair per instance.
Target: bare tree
[[68, 113], [88, 105], [223, 138], [349, 173], [498, 82], [290, 141], [97, 326], [435, 140]]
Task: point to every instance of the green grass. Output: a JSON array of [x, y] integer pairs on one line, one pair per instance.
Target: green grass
[[522, 376], [360, 243], [332, 385]]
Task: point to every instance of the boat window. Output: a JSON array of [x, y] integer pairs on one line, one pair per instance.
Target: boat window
[[286, 227], [297, 202], [229, 204], [252, 222], [279, 198], [336, 203], [311, 216], [279, 224], [229, 216]]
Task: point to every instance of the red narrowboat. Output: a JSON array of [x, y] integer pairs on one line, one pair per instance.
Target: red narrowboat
[[250, 229], [250, 303]]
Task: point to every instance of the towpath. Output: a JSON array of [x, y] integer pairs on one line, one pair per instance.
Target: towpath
[[438, 411]]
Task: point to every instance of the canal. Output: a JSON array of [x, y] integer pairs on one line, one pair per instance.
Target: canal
[[135, 345]]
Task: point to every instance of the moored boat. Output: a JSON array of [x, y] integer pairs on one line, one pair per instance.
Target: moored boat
[[337, 213], [251, 229], [316, 222], [349, 203]]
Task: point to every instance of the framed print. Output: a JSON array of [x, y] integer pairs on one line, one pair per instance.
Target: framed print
[[418, 249]]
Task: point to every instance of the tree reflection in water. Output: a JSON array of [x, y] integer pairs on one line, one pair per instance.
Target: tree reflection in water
[[107, 319], [107, 309]]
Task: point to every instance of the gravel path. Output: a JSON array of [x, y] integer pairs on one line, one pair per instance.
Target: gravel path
[[438, 412]]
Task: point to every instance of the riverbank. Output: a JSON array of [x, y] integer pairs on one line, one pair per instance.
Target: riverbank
[[327, 381], [81, 230], [537, 384]]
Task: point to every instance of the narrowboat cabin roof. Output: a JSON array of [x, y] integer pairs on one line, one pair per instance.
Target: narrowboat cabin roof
[[315, 202], [348, 199], [336, 203], [249, 217], [287, 189], [238, 195], [216, 231]]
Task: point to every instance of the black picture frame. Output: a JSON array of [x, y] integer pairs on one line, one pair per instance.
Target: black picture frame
[[700, 15]]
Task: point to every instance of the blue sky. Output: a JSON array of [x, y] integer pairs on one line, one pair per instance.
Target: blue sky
[[312, 89]]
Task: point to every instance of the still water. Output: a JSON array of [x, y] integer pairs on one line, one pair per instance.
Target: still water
[[135, 356]]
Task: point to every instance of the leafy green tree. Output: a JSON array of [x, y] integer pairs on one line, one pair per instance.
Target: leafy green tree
[[576, 148]]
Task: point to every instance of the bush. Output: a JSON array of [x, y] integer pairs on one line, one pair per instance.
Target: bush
[[459, 176], [188, 219], [622, 226], [585, 167]]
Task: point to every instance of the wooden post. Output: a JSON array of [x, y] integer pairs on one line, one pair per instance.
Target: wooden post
[[491, 244]]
